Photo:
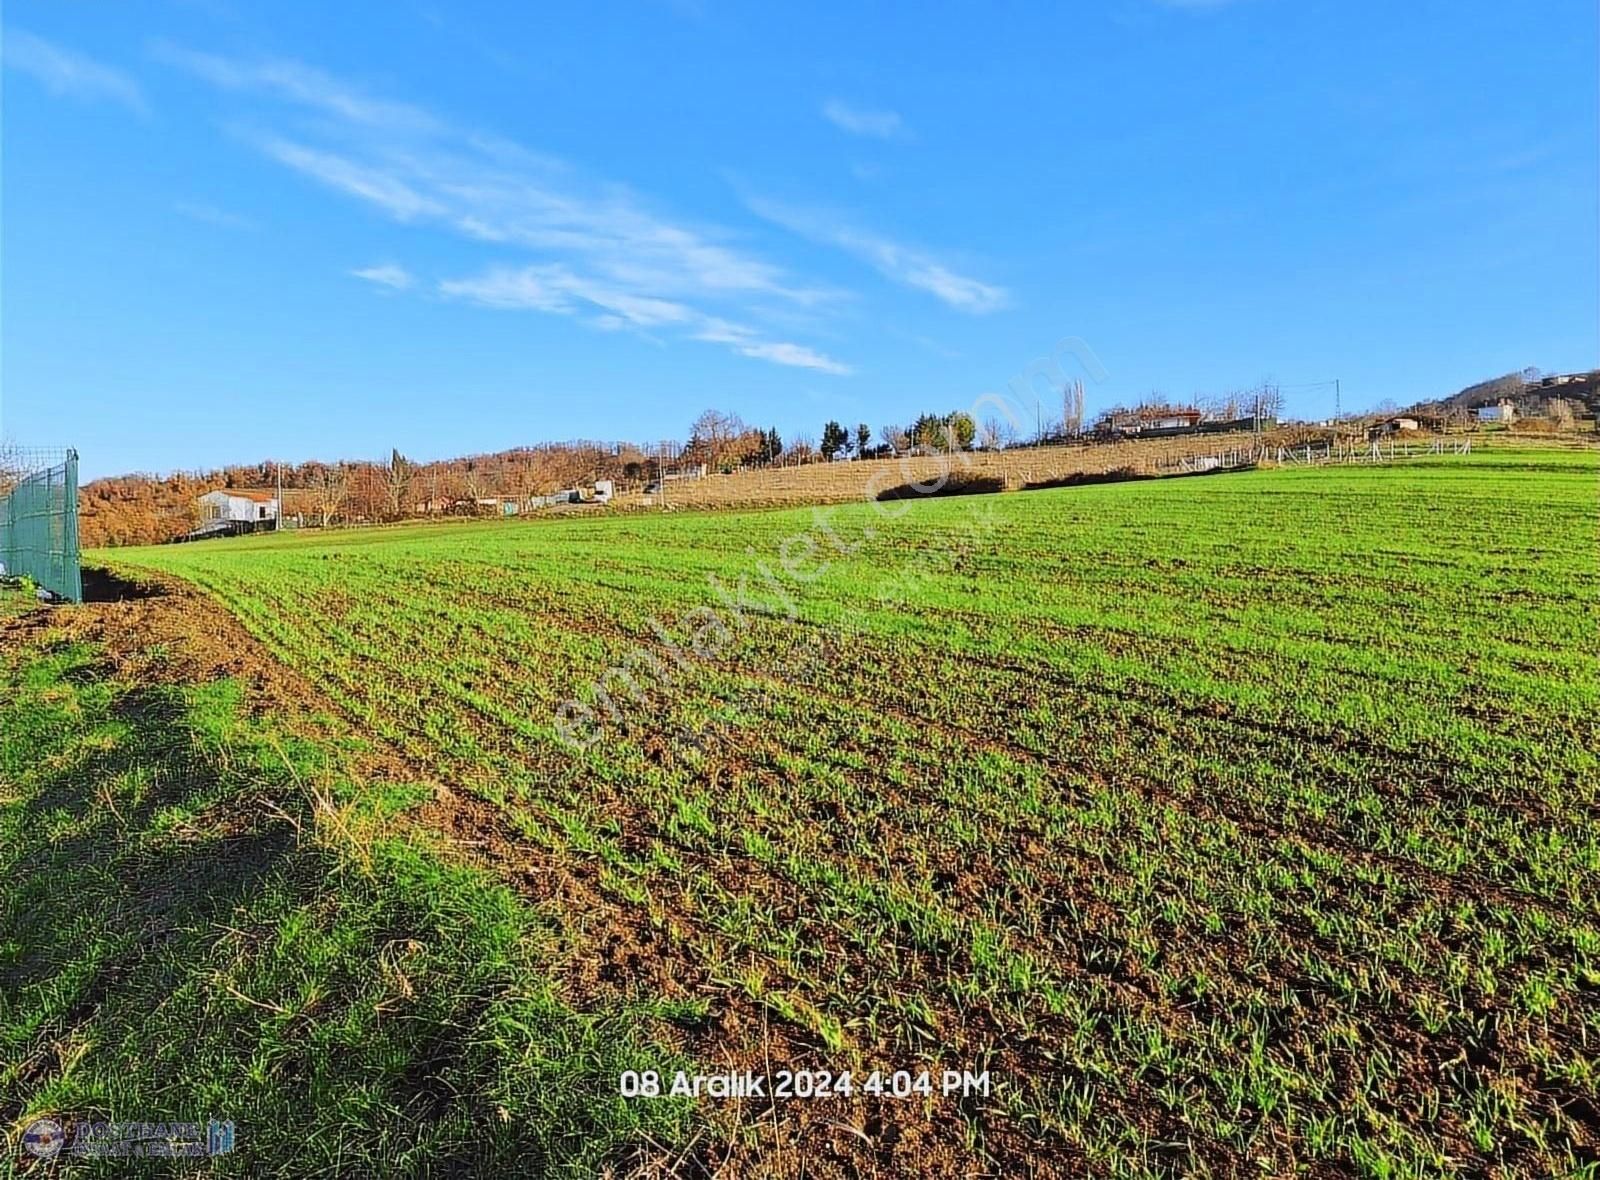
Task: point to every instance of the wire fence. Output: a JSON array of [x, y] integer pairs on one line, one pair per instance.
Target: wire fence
[[39, 518], [1309, 454]]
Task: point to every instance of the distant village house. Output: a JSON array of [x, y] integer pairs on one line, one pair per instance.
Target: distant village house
[[228, 511], [1150, 419], [1390, 426]]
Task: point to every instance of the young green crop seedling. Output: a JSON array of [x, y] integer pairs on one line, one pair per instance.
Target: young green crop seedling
[[1239, 823]]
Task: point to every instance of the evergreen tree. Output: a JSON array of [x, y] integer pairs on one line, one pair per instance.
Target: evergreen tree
[[835, 438]]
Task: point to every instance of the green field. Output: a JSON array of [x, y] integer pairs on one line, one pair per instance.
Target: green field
[[1235, 824]]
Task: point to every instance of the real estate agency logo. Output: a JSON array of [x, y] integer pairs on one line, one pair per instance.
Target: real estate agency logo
[[43, 1139]]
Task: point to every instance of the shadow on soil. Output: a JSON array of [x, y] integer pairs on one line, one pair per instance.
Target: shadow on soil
[[101, 585], [987, 484], [954, 486], [1080, 479]]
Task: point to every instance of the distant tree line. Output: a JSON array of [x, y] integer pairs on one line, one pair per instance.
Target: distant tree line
[[143, 509], [147, 509]]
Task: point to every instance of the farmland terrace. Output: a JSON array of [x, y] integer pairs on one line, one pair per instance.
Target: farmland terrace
[[1244, 824], [1014, 469]]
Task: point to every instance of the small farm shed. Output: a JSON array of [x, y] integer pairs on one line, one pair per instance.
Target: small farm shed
[[231, 504], [504, 505], [1395, 426], [1502, 411]]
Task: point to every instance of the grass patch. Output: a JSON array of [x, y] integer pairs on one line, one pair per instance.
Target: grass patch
[[184, 936]]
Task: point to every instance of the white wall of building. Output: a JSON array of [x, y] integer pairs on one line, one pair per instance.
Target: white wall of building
[[220, 505]]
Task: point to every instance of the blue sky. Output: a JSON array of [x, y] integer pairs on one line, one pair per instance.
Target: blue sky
[[235, 231]]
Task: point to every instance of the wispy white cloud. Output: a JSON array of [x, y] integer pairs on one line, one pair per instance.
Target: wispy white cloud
[[211, 215], [297, 83], [746, 342], [863, 120], [388, 274], [602, 253], [557, 290], [904, 264], [66, 72], [376, 185], [796, 355], [506, 288]]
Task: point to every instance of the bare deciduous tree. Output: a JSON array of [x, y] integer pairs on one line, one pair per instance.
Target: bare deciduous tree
[[474, 481], [714, 430], [13, 465], [1072, 409], [1267, 401], [330, 485]]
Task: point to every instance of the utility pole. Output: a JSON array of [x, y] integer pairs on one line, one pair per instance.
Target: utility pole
[[277, 519], [1338, 411]]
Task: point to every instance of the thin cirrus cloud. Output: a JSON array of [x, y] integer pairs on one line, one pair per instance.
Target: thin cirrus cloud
[[389, 275], [68, 73], [601, 254], [298, 83], [557, 290], [374, 185], [742, 340], [904, 264], [863, 120]]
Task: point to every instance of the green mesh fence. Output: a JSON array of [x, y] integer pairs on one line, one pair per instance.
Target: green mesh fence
[[39, 526]]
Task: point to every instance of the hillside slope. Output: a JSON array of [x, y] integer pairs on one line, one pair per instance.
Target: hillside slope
[[1236, 824]]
